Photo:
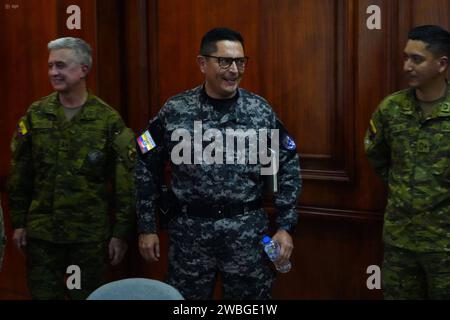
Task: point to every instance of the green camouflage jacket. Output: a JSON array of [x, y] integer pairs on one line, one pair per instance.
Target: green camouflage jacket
[[411, 154], [65, 175]]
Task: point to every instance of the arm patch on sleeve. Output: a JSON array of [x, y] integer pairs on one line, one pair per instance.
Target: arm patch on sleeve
[[286, 140], [152, 137], [146, 142]]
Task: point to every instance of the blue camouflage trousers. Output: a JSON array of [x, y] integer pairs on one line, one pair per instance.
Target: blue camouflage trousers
[[415, 275], [201, 248]]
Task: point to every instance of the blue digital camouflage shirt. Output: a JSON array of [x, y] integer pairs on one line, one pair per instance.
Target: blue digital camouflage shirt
[[216, 183]]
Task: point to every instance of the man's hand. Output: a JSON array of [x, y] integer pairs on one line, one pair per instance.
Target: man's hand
[[149, 246], [284, 239], [117, 249], [20, 238]]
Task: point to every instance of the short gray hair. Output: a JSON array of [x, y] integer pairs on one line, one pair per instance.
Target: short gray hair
[[81, 48]]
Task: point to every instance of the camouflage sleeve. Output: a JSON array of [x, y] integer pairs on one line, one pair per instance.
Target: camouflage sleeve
[[149, 175], [289, 181], [376, 147], [20, 180], [123, 144]]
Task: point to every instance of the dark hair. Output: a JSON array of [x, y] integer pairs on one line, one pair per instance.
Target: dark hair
[[438, 39], [208, 44]]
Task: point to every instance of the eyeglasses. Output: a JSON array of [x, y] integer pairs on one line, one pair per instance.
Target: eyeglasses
[[225, 62]]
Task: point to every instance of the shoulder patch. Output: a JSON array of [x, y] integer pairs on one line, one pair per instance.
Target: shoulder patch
[[152, 136], [288, 142], [146, 142], [22, 128]]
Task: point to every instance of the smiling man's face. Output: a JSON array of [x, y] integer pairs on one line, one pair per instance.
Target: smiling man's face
[[222, 83], [64, 70], [422, 67]]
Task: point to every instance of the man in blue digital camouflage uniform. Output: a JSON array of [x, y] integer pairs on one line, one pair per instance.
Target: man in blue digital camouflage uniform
[[220, 220], [408, 144]]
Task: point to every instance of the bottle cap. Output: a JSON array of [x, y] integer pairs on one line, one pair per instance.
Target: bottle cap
[[266, 239]]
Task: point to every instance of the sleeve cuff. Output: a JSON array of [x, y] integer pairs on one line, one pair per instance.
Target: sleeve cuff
[[18, 221], [121, 232]]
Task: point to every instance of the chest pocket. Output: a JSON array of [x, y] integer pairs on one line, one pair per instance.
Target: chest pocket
[[91, 149], [434, 137], [440, 153], [400, 140], [446, 126], [44, 145]]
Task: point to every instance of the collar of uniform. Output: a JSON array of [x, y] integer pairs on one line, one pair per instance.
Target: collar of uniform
[[240, 115], [51, 104], [200, 91], [204, 96], [89, 111], [409, 105], [203, 99], [444, 106], [442, 110]]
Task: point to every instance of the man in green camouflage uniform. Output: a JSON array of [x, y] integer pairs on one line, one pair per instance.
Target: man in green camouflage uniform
[[220, 220], [408, 144], [70, 151]]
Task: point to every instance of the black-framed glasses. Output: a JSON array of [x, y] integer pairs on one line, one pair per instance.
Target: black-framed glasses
[[226, 62]]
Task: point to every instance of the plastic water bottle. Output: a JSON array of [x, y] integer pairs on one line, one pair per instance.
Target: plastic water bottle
[[272, 248]]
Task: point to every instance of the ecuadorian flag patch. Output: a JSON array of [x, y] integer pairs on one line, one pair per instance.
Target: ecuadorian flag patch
[[22, 129], [146, 142]]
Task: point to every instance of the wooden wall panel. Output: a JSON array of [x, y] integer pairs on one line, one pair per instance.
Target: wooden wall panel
[[23, 80], [109, 54], [330, 259], [305, 81], [374, 48], [136, 69], [430, 12], [179, 29], [296, 74], [24, 71]]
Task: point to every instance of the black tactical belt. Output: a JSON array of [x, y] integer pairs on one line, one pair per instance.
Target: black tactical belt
[[219, 211]]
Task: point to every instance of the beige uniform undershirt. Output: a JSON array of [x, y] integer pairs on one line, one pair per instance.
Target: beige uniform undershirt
[[71, 112]]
